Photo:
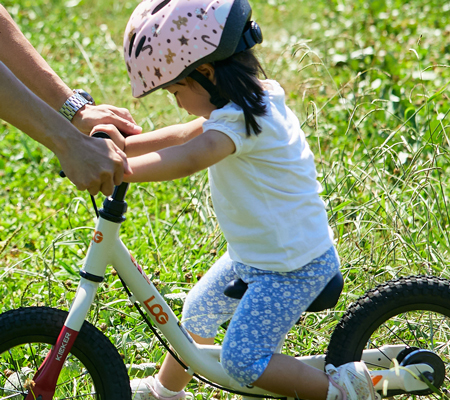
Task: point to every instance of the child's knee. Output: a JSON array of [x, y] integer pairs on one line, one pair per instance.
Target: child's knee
[[244, 368]]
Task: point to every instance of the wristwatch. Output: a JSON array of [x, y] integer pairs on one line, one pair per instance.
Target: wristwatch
[[78, 100]]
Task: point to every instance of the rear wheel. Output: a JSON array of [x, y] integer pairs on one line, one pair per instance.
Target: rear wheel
[[93, 369], [413, 312]]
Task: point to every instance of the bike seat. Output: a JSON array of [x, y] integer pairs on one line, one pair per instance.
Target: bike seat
[[326, 299]]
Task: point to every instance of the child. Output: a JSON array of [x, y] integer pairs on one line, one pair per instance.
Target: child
[[264, 191]]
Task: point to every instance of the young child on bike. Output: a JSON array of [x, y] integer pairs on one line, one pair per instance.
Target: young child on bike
[[263, 186]]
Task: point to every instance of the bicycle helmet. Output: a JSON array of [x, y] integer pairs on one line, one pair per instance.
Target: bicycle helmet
[[166, 40]]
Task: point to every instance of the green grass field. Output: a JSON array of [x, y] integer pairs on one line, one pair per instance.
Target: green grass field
[[368, 81]]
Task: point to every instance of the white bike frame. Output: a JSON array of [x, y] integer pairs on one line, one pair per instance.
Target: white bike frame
[[106, 249]]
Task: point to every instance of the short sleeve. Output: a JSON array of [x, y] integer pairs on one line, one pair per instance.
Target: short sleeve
[[230, 121]]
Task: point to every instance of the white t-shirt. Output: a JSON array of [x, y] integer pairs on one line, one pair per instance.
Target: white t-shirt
[[266, 195]]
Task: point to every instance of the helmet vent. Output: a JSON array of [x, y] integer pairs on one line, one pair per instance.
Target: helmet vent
[[140, 45], [160, 6], [131, 44]]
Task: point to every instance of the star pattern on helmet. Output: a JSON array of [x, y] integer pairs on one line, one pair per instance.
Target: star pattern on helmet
[[158, 73], [155, 30], [169, 56], [201, 14], [145, 13], [183, 40], [142, 79], [181, 21], [171, 41]]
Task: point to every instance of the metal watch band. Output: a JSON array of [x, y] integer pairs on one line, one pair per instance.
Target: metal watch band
[[72, 105]]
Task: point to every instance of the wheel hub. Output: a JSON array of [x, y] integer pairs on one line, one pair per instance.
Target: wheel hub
[[422, 356]]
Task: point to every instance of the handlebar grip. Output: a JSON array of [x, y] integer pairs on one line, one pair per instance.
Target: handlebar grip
[[101, 134]]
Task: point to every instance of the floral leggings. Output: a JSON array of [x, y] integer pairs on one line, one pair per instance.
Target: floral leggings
[[270, 307]]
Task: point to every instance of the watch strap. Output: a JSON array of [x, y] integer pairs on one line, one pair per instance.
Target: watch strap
[[72, 105]]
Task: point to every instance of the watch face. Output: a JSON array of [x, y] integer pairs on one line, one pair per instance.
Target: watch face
[[86, 95]]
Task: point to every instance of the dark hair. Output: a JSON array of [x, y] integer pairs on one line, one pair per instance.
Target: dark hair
[[237, 80]]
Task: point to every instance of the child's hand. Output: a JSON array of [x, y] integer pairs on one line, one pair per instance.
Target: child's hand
[[113, 132]]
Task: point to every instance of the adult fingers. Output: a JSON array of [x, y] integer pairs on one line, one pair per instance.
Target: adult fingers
[[93, 188], [107, 186], [90, 116], [122, 112], [126, 165], [122, 119], [118, 172]]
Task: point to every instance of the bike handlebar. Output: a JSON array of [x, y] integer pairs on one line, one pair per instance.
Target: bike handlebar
[[120, 190]]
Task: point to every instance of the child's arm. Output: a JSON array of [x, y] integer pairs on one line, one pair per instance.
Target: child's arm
[[180, 161], [168, 136]]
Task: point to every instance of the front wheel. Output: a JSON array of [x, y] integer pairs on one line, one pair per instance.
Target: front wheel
[[93, 369], [413, 312]]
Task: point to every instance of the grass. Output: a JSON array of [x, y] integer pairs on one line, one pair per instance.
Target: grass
[[368, 81]]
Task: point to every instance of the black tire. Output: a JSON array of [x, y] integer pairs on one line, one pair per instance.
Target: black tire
[[413, 311], [93, 370]]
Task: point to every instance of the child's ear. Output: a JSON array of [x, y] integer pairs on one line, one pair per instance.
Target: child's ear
[[208, 71]]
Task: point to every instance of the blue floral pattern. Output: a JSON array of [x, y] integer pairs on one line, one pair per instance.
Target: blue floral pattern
[[270, 307]]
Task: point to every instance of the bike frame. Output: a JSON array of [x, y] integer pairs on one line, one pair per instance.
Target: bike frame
[[106, 249]]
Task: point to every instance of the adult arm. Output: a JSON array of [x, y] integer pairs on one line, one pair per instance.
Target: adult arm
[[17, 53], [90, 163], [179, 161]]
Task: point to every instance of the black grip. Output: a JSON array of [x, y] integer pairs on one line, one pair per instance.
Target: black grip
[[101, 134]]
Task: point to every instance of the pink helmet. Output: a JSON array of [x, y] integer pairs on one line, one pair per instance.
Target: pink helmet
[[166, 40]]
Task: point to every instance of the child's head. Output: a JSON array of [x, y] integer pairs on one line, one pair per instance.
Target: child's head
[[167, 41]]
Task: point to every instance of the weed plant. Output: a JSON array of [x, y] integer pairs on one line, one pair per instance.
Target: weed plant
[[368, 81]]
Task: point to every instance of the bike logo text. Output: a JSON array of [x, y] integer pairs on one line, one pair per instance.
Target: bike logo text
[[157, 311], [98, 237], [62, 348]]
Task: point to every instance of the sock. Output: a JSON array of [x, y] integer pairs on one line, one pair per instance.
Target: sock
[[334, 391], [161, 390]]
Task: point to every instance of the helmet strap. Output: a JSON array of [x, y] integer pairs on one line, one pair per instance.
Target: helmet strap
[[216, 99]]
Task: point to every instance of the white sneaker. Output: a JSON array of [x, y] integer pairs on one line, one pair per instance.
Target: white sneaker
[[143, 389], [354, 379]]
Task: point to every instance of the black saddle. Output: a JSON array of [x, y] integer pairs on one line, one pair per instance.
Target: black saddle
[[326, 299]]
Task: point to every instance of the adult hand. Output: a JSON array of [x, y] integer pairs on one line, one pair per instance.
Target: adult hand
[[90, 116], [112, 132], [95, 164]]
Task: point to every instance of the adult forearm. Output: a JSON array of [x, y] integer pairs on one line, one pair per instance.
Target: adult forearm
[[21, 108], [17, 53], [90, 163]]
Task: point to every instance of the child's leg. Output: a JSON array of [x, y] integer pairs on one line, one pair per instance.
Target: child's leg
[[266, 313], [290, 377], [205, 309], [172, 375]]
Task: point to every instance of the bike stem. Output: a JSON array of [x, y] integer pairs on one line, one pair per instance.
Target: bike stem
[[44, 382]]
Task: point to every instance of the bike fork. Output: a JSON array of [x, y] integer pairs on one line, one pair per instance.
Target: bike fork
[[43, 384]]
